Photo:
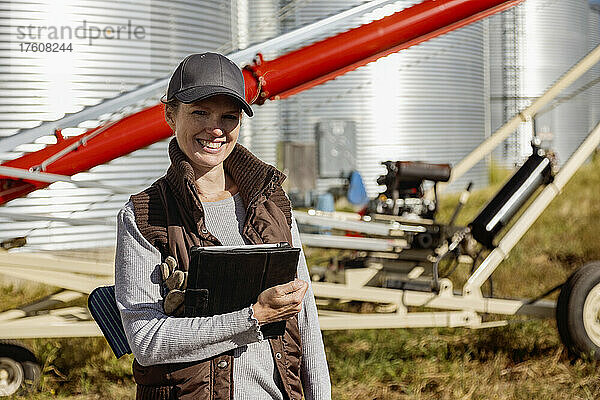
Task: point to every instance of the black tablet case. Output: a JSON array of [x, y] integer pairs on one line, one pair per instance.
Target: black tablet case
[[227, 280]]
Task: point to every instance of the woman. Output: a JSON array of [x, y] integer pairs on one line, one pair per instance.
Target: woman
[[214, 193]]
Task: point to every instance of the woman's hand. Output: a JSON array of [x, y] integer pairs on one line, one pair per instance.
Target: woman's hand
[[280, 302]]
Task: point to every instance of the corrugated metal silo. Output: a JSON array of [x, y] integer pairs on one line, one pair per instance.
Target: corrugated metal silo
[[425, 103], [531, 46], [38, 87], [258, 21], [594, 74]]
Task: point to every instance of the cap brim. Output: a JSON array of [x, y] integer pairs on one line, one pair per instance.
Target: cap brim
[[202, 92]]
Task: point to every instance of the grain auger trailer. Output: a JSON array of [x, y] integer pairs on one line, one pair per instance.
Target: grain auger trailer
[[132, 124], [397, 261]]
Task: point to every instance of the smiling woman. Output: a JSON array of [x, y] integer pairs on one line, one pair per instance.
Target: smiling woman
[[215, 192]]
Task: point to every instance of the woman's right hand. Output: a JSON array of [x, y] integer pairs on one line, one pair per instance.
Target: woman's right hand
[[280, 302]]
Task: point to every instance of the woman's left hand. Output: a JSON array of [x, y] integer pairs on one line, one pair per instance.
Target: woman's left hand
[[280, 302]]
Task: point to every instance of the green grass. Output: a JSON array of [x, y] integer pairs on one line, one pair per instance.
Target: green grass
[[82, 367], [524, 360], [519, 361]]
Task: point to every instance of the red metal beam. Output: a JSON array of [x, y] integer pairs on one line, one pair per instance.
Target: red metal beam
[[131, 133], [317, 63], [282, 77]]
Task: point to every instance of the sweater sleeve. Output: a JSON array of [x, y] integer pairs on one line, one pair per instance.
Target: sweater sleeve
[[314, 369], [153, 336]]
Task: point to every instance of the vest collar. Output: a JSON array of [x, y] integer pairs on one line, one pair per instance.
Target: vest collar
[[251, 175]]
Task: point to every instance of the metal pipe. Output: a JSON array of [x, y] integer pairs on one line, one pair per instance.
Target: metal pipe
[[306, 33], [88, 113], [123, 137], [322, 61], [503, 132], [51, 178]]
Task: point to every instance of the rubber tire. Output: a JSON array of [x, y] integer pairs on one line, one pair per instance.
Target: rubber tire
[[18, 352], [12, 377], [569, 311]]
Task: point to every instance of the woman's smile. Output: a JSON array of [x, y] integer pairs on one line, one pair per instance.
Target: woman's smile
[[211, 146]]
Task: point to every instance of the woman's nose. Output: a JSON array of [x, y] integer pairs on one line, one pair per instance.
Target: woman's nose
[[215, 128], [217, 131]]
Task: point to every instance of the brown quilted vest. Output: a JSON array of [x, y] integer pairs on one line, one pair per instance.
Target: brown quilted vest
[[169, 215]]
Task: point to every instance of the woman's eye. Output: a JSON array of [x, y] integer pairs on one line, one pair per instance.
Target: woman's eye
[[231, 117], [199, 112]]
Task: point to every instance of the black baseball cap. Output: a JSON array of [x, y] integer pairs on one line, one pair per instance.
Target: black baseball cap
[[203, 75]]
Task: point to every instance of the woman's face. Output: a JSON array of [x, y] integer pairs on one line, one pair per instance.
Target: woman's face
[[206, 130]]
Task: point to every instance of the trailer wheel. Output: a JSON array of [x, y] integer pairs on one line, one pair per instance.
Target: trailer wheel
[[11, 376], [578, 312], [18, 368]]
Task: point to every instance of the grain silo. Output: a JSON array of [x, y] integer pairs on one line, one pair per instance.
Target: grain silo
[[426, 103], [40, 86], [593, 77], [429, 102], [531, 46], [255, 22]]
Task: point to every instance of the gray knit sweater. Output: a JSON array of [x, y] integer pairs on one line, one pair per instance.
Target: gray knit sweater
[[156, 338]]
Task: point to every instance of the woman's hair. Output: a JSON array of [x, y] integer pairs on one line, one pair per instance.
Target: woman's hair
[[170, 105]]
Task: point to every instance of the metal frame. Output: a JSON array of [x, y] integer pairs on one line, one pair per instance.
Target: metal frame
[[516, 232], [42, 318], [461, 310], [466, 306], [471, 301]]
